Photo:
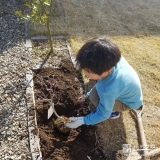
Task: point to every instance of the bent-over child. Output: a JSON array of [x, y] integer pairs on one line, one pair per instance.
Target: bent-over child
[[118, 87]]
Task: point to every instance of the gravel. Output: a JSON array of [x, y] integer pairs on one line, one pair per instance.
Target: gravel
[[14, 63]]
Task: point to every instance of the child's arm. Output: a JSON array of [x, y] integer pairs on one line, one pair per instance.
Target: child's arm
[[102, 113]]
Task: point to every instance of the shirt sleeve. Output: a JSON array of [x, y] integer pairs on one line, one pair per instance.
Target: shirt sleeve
[[103, 111]]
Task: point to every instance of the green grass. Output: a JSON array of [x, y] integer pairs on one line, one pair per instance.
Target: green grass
[[143, 53]]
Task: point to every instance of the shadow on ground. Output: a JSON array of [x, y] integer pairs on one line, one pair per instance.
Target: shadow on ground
[[111, 132]]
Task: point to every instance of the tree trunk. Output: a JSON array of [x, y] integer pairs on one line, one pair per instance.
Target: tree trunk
[[50, 37], [48, 27]]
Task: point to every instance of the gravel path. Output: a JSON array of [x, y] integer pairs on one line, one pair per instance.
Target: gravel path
[[14, 62]]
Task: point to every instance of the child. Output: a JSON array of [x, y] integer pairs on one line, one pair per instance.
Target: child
[[118, 87]]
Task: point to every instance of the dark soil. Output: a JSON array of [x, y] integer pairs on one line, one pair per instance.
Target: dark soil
[[69, 100]]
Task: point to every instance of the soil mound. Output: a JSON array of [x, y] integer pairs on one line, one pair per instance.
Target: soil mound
[[65, 86]]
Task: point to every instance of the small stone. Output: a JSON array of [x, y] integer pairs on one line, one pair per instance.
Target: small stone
[[12, 157], [3, 132], [23, 156]]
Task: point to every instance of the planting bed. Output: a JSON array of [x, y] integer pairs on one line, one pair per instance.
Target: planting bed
[[65, 85]]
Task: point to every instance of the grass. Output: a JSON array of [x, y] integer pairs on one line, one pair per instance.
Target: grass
[[143, 54]]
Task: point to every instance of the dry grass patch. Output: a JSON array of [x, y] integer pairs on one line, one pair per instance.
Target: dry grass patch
[[76, 43], [143, 53]]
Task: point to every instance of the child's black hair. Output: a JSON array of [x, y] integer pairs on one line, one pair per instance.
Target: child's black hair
[[98, 55]]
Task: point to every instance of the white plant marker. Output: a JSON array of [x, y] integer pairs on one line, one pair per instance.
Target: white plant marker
[[51, 110]]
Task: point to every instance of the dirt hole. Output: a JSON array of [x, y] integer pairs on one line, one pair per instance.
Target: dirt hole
[[65, 86]]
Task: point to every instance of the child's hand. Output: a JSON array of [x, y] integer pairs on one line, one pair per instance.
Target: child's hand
[[76, 122]]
